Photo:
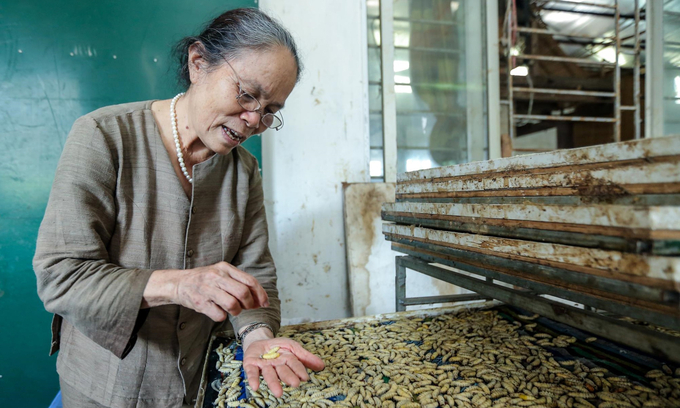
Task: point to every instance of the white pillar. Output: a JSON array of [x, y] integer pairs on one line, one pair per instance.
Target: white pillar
[[493, 79], [388, 95], [654, 70], [324, 143], [474, 80]]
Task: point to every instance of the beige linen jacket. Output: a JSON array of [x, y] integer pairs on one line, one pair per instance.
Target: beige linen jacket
[[116, 213]]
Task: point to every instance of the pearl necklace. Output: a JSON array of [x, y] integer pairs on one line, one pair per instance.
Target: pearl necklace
[[175, 135]]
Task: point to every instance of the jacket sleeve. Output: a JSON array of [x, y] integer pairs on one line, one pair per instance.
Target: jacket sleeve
[[75, 276], [254, 258]]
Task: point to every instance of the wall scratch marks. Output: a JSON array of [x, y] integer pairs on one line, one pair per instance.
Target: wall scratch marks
[[54, 117]]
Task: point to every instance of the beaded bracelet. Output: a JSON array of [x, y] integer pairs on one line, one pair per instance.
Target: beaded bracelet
[[250, 328]]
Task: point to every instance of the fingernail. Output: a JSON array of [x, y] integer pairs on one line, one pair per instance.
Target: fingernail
[[266, 304]]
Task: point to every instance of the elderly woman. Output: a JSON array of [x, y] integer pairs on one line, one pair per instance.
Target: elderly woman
[[155, 229]]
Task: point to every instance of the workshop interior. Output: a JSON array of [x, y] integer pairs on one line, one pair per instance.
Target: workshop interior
[[469, 203]]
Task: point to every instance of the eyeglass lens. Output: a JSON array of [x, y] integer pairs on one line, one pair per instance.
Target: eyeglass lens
[[249, 103]]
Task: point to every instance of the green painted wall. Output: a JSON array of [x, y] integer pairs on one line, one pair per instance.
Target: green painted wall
[[60, 59]]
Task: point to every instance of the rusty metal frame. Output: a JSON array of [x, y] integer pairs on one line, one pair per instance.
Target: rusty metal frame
[[639, 337], [402, 301], [498, 268], [512, 29]]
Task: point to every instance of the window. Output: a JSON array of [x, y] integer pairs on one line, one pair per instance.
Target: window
[[437, 113], [671, 67]]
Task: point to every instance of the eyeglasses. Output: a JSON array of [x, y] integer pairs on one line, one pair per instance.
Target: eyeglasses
[[251, 104]]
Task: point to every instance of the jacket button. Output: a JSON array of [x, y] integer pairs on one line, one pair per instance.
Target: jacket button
[[182, 325], [190, 253], [193, 210], [183, 361]]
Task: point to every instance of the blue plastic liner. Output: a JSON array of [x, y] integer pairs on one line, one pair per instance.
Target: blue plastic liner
[[56, 402]]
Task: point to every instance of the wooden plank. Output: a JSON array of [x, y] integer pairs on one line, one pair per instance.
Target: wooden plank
[[632, 233], [666, 247], [582, 190], [657, 200], [643, 149], [640, 229], [568, 168], [618, 220], [642, 178], [614, 264]]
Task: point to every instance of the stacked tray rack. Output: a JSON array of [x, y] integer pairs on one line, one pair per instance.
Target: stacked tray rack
[[599, 226]]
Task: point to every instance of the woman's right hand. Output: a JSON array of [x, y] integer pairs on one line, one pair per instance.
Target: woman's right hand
[[213, 290]]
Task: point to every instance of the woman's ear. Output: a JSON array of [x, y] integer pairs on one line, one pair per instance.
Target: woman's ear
[[196, 62]]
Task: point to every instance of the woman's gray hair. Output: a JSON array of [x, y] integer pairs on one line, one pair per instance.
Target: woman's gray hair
[[232, 33]]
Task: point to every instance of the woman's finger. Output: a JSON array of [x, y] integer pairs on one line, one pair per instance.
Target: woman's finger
[[257, 291], [224, 300], [239, 291], [272, 380], [287, 376], [308, 359], [253, 375], [213, 311], [298, 368]]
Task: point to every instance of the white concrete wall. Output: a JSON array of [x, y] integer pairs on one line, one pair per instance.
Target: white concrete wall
[[323, 144]]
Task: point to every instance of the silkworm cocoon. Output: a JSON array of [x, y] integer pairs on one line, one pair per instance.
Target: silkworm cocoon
[[535, 316], [654, 374]]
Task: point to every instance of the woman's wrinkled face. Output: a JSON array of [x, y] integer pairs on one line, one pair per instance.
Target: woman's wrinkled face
[[215, 115]]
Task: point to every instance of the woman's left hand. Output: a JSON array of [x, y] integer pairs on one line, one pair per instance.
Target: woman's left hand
[[289, 367]]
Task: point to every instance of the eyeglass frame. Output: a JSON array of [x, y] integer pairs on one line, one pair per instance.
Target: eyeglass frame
[[259, 105]]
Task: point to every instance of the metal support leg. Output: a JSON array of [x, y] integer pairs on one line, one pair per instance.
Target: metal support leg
[[400, 284], [489, 280], [400, 291]]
